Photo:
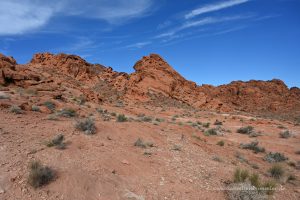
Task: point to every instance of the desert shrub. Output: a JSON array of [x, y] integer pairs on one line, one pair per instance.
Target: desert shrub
[[57, 141], [244, 191], [159, 120], [285, 134], [217, 158], [140, 143], [67, 112], [39, 175], [121, 118], [113, 114], [50, 105], [297, 152], [253, 146], [86, 125], [211, 131], [35, 108], [15, 109], [281, 127], [275, 157], [147, 119], [269, 187], [80, 100], [206, 125], [254, 184], [52, 117], [255, 180], [276, 171], [245, 130], [221, 143], [218, 123], [176, 147], [291, 177], [240, 175]]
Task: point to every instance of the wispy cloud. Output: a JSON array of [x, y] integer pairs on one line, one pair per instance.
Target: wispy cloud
[[201, 22], [21, 16], [214, 7], [138, 45]]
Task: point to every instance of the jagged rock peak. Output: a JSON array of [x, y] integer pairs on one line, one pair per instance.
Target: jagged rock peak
[[56, 60]]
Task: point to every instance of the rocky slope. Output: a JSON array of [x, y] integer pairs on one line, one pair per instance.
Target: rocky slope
[[154, 80]]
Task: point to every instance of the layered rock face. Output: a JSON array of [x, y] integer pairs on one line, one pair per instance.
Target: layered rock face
[[153, 76]]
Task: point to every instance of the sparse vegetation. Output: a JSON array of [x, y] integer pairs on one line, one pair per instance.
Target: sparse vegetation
[[86, 125], [176, 147], [276, 171], [206, 125], [57, 141], [35, 108], [52, 117], [147, 119], [211, 131], [281, 127], [16, 109], [221, 143], [50, 105], [39, 175], [67, 112], [253, 146], [217, 158], [122, 118], [140, 143], [275, 157], [255, 188], [218, 123], [285, 134], [240, 175], [269, 187], [245, 130]]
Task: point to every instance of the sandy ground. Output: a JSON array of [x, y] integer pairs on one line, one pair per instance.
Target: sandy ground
[[107, 166]]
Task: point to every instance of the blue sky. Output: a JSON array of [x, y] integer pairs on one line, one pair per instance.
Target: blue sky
[[207, 41]]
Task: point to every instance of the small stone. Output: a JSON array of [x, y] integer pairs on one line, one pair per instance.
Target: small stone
[[1, 190], [125, 162]]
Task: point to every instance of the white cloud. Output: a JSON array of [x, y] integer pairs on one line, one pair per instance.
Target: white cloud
[[17, 17], [20, 16], [108, 10], [138, 45], [201, 22], [214, 7]]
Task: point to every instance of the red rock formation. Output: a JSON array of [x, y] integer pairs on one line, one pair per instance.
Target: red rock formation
[[152, 76]]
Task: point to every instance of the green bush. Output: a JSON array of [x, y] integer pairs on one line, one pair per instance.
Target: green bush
[[211, 131], [122, 118], [276, 171], [269, 187]]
